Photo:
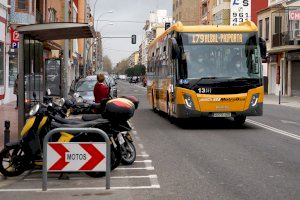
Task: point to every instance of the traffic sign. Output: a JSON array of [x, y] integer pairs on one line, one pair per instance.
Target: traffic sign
[[72, 157], [15, 38]]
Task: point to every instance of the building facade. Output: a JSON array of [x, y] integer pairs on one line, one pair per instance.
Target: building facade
[[187, 11], [134, 59], [5, 88], [154, 27], [206, 12], [279, 25], [223, 11]]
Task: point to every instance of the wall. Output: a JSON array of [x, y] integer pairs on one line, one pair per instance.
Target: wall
[[257, 5], [21, 17], [188, 11]]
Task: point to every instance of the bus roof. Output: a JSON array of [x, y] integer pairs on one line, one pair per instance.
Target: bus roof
[[247, 26]]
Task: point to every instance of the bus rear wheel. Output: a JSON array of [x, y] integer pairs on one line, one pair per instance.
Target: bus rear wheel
[[239, 120]]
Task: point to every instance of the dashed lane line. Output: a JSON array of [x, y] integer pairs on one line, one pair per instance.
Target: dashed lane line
[[275, 130]]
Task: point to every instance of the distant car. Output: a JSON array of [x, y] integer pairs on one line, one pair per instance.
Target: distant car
[[85, 88], [134, 79]]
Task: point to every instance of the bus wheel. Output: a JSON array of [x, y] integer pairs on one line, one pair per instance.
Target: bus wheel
[[240, 120]]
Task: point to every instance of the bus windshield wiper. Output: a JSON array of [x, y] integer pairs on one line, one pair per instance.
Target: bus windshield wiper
[[204, 78]]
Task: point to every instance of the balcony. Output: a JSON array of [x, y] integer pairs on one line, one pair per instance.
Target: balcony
[[286, 38]]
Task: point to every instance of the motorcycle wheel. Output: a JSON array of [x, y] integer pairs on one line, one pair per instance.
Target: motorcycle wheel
[[12, 161], [129, 156], [115, 155], [115, 160]]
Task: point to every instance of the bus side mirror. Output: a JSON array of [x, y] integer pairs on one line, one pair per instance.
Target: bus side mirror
[[263, 48], [174, 48]]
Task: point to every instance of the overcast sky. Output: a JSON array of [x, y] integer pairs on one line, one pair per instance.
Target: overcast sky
[[125, 10]]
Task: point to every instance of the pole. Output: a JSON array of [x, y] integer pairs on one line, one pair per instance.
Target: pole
[[84, 43], [66, 55], [21, 91], [6, 132]]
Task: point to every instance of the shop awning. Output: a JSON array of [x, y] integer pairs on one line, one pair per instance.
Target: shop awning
[[57, 31]]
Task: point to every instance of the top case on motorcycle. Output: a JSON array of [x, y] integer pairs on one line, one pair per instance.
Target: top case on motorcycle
[[80, 125]]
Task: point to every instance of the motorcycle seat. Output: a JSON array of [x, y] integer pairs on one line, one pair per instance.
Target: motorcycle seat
[[67, 121], [91, 117], [81, 125]]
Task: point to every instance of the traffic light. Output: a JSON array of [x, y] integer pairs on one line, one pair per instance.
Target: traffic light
[[133, 39], [167, 25]]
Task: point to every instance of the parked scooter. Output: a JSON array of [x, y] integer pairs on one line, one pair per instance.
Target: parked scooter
[[26, 154]]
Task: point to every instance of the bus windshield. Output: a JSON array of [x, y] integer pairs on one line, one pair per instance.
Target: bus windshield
[[220, 56]]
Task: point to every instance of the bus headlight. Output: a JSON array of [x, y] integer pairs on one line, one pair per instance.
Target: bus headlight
[[188, 101], [254, 100]]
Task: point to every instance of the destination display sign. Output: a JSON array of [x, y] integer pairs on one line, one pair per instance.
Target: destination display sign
[[216, 38]]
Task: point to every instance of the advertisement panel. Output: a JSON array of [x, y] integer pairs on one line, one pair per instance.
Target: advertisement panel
[[240, 11]]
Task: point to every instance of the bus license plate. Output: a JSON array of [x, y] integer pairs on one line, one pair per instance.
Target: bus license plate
[[221, 115]]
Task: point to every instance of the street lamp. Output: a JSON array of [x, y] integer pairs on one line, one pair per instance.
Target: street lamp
[[109, 24], [98, 19]]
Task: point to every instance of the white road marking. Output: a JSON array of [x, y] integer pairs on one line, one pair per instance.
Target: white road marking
[[134, 132], [142, 155], [143, 161], [137, 138], [289, 122], [154, 181], [86, 178], [285, 133], [135, 168], [81, 189], [141, 146]]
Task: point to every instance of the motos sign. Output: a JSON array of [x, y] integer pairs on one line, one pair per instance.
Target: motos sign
[[240, 11], [68, 157]]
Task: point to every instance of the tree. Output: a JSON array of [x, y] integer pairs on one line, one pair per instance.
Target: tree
[[122, 66], [137, 70], [107, 65]]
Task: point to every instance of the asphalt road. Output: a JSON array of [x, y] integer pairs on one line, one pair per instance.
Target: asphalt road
[[200, 159], [213, 159]]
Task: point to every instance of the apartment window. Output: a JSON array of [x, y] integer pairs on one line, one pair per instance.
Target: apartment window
[[21, 4], [267, 28], [278, 23], [260, 28], [1, 63], [52, 15]]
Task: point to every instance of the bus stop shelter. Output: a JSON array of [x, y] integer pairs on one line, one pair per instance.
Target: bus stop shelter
[[31, 64]]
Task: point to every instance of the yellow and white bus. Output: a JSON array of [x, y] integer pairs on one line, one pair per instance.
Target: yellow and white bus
[[213, 71]]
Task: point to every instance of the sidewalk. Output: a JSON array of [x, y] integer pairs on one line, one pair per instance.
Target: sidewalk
[[8, 112], [285, 101]]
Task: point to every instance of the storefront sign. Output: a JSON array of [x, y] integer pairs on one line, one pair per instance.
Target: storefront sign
[[240, 11], [294, 15], [14, 35]]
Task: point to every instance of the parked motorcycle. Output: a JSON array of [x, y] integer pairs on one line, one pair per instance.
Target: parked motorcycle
[[26, 154], [120, 129]]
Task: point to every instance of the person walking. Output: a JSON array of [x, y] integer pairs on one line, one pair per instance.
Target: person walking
[[16, 90], [101, 90]]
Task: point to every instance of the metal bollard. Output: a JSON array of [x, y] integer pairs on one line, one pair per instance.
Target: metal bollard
[[6, 132], [279, 97]]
